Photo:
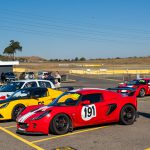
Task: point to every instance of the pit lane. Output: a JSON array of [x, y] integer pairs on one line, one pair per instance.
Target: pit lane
[[111, 136]]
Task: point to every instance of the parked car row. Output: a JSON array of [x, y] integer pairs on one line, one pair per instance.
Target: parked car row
[[39, 108]]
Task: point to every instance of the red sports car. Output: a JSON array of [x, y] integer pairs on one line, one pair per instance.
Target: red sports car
[[142, 86], [76, 108]]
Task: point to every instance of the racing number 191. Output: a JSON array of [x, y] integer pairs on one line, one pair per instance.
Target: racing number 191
[[89, 111]]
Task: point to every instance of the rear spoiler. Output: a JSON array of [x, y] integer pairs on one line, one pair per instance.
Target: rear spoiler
[[69, 88], [65, 88], [124, 90]]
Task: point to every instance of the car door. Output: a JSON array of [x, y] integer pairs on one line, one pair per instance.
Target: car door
[[92, 113], [45, 97], [40, 97]]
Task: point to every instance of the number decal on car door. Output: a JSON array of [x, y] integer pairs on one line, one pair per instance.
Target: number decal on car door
[[41, 103], [88, 112]]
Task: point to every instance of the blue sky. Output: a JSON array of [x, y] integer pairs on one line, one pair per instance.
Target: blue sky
[[82, 28]]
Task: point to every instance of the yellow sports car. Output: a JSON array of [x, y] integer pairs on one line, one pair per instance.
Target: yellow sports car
[[22, 98]]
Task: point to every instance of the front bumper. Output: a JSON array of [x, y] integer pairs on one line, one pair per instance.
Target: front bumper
[[28, 133], [5, 114], [33, 127]]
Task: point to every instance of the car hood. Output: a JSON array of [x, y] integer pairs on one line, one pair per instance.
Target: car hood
[[33, 112], [4, 95]]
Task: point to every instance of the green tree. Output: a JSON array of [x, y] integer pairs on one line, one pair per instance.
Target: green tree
[[8, 50], [82, 59], [13, 47], [76, 59]]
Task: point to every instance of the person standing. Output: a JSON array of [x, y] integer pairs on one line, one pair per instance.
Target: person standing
[[50, 77], [2, 77], [26, 76], [58, 76], [57, 79]]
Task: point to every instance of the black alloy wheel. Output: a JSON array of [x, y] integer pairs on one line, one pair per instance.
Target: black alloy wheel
[[16, 111], [60, 124], [142, 92], [127, 115]]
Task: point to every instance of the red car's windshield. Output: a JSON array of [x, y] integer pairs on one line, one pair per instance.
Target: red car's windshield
[[66, 99], [136, 82]]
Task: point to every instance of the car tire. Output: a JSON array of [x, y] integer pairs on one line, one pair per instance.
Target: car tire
[[60, 124], [16, 110], [142, 92], [127, 115]]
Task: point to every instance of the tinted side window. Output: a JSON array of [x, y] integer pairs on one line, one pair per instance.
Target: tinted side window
[[44, 84], [148, 81], [94, 98], [31, 84], [40, 93]]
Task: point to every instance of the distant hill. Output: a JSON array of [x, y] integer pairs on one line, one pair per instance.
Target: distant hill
[[111, 61], [31, 59], [128, 60], [24, 58]]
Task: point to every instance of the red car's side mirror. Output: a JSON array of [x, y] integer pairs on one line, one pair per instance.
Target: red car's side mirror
[[86, 102]]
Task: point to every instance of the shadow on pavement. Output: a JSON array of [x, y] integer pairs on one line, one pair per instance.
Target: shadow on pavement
[[146, 115], [6, 121]]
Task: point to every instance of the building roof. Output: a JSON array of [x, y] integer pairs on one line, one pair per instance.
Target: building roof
[[6, 63]]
